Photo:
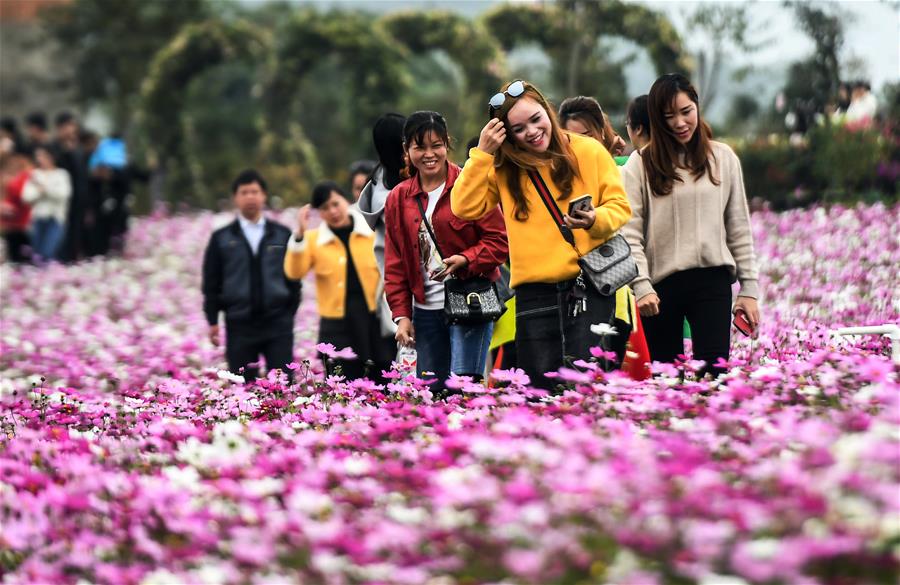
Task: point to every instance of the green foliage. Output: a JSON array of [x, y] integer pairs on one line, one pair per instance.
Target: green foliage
[[115, 42], [174, 139], [772, 168], [467, 44], [821, 71], [569, 30], [835, 164], [729, 28], [846, 160], [294, 92]]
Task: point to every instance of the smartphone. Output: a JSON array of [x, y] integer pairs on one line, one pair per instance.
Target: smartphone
[[583, 203], [439, 274], [742, 324]]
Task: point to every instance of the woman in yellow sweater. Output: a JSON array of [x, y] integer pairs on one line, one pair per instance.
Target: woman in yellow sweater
[[554, 308], [340, 253]]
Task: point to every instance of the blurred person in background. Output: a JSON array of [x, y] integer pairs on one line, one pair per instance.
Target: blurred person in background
[[47, 191], [637, 122], [340, 252], [387, 137], [111, 192], [690, 230], [36, 130], [80, 219], [10, 138], [583, 115], [863, 106], [15, 213], [243, 276], [360, 172]]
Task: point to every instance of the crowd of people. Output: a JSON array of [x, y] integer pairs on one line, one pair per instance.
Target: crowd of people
[[425, 254], [65, 195]]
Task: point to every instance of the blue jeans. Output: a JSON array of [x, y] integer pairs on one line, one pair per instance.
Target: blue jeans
[[443, 348], [46, 235]]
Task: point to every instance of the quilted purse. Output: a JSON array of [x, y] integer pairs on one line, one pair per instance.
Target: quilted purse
[[609, 266]]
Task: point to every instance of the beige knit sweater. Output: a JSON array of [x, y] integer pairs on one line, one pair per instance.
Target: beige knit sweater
[[698, 225]]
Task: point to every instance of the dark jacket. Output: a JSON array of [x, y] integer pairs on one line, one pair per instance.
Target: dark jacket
[[250, 289], [482, 242]]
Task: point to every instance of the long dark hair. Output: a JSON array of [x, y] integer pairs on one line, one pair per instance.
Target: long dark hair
[[664, 149], [418, 124], [512, 158], [387, 134]]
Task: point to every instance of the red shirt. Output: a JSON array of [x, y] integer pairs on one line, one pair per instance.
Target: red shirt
[[16, 214], [482, 242]]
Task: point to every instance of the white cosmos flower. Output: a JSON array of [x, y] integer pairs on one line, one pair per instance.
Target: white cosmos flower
[[603, 329]]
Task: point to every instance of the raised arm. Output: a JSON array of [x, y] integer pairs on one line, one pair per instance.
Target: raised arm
[[475, 193], [299, 257]]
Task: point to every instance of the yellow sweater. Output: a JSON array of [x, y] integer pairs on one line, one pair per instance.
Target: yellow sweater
[[537, 251], [321, 251]]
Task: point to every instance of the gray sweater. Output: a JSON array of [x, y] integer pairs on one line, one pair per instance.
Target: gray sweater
[[698, 225]]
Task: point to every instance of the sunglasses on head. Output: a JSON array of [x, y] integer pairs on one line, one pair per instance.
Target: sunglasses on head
[[515, 89]]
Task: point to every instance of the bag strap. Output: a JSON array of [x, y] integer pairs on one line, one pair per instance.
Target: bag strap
[[544, 192], [428, 226]]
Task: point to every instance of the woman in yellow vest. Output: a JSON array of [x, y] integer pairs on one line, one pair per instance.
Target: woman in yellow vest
[[341, 254]]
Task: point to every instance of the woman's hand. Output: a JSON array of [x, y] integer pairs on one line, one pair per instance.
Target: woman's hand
[[302, 221], [582, 219], [406, 333], [618, 146], [492, 136], [648, 305], [750, 308], [454, 264], [214, 335]]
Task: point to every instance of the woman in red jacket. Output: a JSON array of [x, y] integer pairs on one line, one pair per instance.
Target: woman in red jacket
[[415, 270]]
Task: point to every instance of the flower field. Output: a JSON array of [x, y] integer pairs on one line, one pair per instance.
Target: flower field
[[128, 457]]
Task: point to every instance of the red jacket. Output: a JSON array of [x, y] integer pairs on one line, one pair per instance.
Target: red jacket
[[16, 214], [482, 242]]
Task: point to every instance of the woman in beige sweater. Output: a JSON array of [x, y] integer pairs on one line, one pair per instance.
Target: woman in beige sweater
[[690, 230]]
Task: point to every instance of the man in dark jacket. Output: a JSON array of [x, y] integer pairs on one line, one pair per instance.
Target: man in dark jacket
[[243, 275]]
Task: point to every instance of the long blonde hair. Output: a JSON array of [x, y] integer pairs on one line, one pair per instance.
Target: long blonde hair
[[512, 158]]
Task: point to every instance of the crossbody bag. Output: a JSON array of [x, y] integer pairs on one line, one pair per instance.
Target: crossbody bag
[[471, 301], [609, 266]]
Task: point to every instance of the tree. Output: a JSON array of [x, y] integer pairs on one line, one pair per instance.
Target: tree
[[824, 24], [728, 28], [114, 43], [570, 32]]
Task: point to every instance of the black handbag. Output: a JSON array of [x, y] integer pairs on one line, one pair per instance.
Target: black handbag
[[466, 302], [609, 266]]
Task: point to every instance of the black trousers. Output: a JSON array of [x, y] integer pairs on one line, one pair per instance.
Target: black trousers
[[360, 330], [548, 336], [245, 343], [703, 297], [17, 247]]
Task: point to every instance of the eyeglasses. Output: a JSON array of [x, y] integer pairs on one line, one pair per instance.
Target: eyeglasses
[[515, 89]]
